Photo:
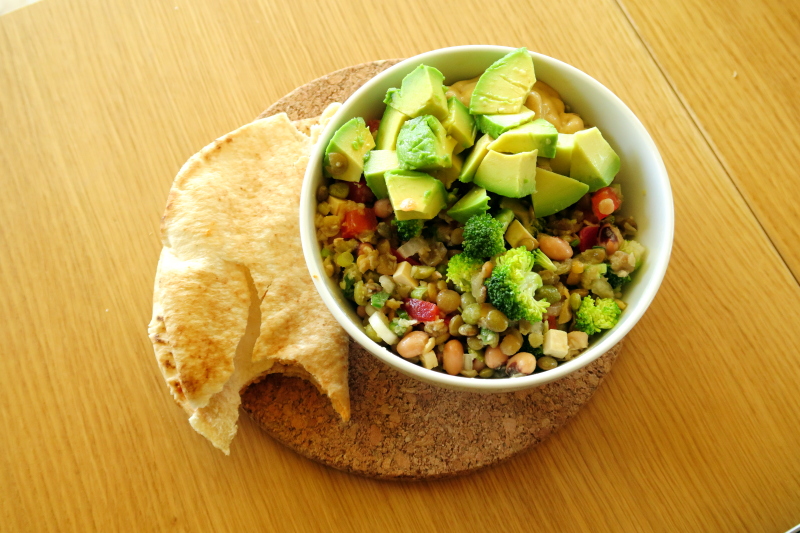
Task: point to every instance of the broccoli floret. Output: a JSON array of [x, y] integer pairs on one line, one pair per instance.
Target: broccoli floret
[[542, 260], [489, 337], [483, 237], [408, 229], [617, 281], [460, 270], [597, 314], [512, 285]]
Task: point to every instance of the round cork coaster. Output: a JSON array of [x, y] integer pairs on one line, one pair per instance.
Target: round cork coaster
[[401, 428]]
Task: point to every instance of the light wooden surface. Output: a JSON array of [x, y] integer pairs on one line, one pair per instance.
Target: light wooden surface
[[696, 428], [736, 68]]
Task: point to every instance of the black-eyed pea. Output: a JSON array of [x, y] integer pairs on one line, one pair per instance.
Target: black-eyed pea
[[523, 363]]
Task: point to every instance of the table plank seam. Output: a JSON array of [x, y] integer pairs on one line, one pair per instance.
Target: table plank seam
[[704, 134]]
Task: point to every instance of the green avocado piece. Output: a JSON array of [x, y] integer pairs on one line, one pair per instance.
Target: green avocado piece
[[344, 155], [504, 86], [415, 195], [391, 122], [422, 144], [555, 192], [517, 235], [474, 158], [496, 125], [449, 175], [537, 135], [459, 123], [420, 93], [475, 202], [376, 163], [512, 175], [562, 161], [594, 162]]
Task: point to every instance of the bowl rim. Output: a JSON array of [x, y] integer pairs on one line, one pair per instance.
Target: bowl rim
[[658, 259]]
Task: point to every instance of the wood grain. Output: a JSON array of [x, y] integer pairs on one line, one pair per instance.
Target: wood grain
[[736, 68], [101, 102]]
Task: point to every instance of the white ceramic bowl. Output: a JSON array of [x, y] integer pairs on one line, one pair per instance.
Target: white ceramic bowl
[[644, 180]]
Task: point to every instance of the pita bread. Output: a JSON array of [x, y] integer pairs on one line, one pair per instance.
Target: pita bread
[[233, 300]]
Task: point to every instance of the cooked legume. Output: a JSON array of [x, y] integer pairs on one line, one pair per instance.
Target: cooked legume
[[546, 363], [412, 344], [339, 190], [522, 363], [453, 357], [512, 342], [448, 301], [494, 357]]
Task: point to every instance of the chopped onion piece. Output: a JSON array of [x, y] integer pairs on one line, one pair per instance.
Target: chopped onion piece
[[412, 247], [380, 324]]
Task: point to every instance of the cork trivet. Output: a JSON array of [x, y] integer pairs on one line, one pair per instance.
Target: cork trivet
[[401, 428]]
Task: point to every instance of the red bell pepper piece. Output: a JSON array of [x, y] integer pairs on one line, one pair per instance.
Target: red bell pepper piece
[[588, 237], [606, 193], [357, 221], [421, 310], [373, 125]]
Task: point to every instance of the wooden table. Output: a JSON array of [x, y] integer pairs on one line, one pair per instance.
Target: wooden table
[[696, 429]]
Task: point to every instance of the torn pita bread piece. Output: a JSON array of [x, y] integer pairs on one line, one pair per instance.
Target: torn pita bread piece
[[233, 300]]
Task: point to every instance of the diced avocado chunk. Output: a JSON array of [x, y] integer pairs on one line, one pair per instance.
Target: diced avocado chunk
[[475, 202], [555, 192], [504, 86], [474, 158], [459, 123], [391, 122], [415, 195], [420, 93], [512, 175], [537, 135], [523, 211], [450, 144], [516, 235], [594, 162], [376, 163], [449, 175], [562, 161], [422, 144], [495, 125], [344, 155]]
